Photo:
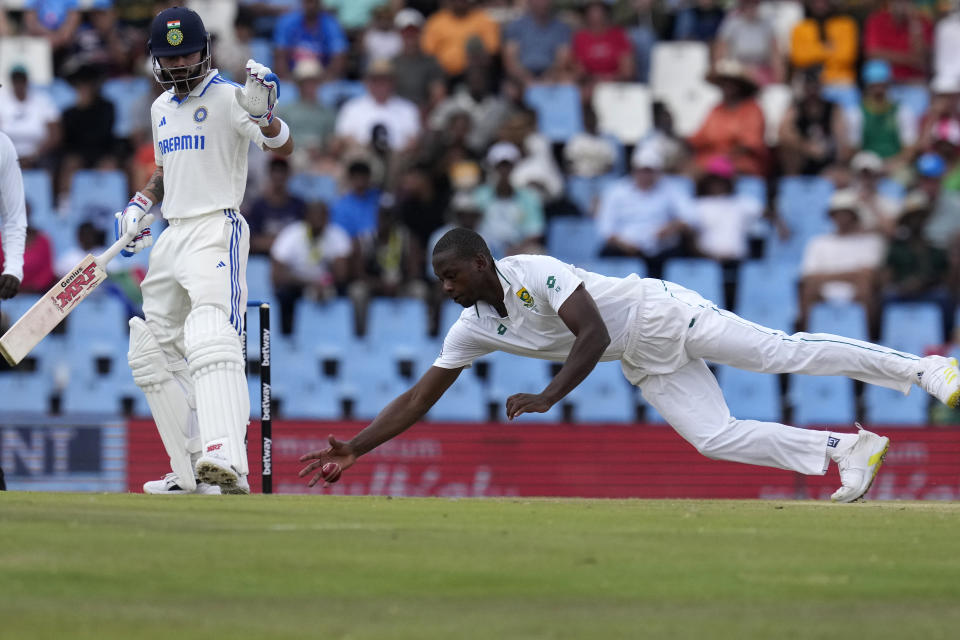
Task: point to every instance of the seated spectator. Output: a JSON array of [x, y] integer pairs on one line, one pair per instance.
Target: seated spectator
[[881, 125], [590, 157], [88, 141], [877, 212], [55, 20], [421, 202], [735, 127], [309, 258], [311, 122], [826, 42], [813, 132], [745, 36], [487, 110], [643, 34], [418, 76], [448, 156], [312, 34], [274, 210], [448, 33], [266, 13], [101, 40], [381, 40], [915, 270], [672, 148], [537, 166], [944, 111], [601, 50], [942, 229], [89, 240], [642, 216], [901, 36], [31, 120], [380, 106], [699, 22], [390, 264], [354, 15], [513, 220], [536, 46], [946, 62], [356, 211], [842, 265]]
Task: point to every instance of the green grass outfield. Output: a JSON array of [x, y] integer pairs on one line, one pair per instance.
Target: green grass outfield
[[304, 567]]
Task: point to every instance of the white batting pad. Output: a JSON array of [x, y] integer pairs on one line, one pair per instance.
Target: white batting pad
[[215, 361], [168, 389]]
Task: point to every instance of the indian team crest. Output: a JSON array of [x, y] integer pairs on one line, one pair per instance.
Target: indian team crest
[[526, 298], [174, 37], [200, 114]]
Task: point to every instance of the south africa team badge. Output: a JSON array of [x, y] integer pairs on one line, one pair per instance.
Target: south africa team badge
[[200, 114]]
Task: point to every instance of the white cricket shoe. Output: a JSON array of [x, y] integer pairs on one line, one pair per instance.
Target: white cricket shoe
[[214, 467], [940, 377], [859, 465], [170, 485]]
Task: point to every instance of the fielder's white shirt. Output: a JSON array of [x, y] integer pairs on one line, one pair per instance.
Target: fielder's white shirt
[[13, 212], [202, 143], [534, 288]]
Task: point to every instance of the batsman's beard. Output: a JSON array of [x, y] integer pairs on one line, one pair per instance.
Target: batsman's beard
[[182, 85]]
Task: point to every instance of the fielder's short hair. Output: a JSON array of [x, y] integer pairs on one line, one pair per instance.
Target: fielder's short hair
[[464, 243]]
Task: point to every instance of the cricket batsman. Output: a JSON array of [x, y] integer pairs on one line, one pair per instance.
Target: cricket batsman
[[186, 355]]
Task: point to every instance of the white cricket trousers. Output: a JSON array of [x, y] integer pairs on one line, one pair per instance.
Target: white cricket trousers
[[681, 330]]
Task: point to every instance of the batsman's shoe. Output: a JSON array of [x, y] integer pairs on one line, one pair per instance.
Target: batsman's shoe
[[859, 465], [940, 377], [214, 467], [170, 485]]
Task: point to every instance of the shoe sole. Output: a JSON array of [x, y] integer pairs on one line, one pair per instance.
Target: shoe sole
[[880, 456], [217, 475]]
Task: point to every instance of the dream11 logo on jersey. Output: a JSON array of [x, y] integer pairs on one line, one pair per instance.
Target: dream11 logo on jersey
[[74, 284]]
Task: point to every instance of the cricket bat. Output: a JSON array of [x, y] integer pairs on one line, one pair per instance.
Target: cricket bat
[[56, 304]]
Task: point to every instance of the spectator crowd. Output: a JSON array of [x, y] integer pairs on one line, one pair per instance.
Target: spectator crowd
[[413, 116]]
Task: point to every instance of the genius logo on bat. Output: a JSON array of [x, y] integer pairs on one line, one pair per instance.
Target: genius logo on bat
[[74, 284]]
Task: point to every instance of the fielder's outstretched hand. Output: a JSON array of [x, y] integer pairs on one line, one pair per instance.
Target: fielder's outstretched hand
[[332, 461], [521, 403], [259, 95], [9, 286]]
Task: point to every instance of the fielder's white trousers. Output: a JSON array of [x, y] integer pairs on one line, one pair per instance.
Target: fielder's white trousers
[[676, 330]]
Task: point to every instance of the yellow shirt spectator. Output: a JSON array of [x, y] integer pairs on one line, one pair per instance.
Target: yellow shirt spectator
[[446, 34], [835, 49]]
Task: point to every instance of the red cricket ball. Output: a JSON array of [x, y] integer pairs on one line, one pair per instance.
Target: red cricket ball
[[331, 472]]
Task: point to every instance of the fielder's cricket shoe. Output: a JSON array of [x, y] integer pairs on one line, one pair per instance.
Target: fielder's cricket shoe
[[859, 465], [214, 467], [940, 377], [170, 485]]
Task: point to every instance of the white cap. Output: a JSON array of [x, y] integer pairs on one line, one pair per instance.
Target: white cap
[[647, 156], [408, 18], [867, 161], [503, 152], [307, 68], [845, 200]]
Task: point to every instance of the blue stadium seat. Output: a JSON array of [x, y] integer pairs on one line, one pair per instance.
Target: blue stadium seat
[[259, 285], [843, 319], [62, 93], [914, 97], [449, 313], [888, 406], [585, 192], [700, 274], [510, 374], [847, 96], [464, 401], [751, 395], [767, 293], [38, 192], [92, 396], [604, 396], [397, 320], [558, 107], [313, 187], [319, 402], [616, 266], [334, 94], [102, 317], [822, 400], [329, 323], [96, 194], [18, 305], [803, 201], [911, 326], [25, 393], [681, 183], [573, 239], [892, 189], [126, 95], [752, 186], [261, 49]]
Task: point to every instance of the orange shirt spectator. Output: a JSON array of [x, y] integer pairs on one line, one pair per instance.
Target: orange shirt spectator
[[735, 127], [902, 36], [826, 40], [447, 33]]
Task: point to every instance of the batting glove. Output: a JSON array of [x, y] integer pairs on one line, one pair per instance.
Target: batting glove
[[135, 217], [259, 95]]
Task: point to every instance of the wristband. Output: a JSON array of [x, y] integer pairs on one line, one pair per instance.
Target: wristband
[[141, 201], [280, 139]]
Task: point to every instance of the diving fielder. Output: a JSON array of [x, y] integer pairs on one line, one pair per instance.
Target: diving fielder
[[186, 355]]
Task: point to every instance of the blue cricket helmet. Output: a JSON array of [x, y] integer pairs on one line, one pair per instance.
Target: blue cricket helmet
[[177, 31]]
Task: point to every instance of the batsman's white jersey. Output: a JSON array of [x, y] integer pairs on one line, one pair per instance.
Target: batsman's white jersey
[[662, 333], [202, 143]]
